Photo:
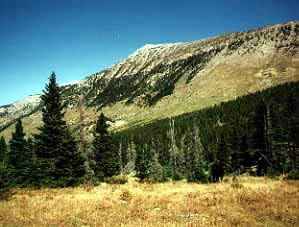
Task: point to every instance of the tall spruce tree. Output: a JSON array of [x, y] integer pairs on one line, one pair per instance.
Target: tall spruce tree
[[105, 151], [19, 158], [56, 149]]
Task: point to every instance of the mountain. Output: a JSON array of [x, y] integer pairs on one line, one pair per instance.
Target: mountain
[[164, 80], [10, 113]]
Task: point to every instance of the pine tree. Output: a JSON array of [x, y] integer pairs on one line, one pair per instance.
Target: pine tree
[[17, 157], [70, 163], [3, 156], [174, 153], [130, 159], [83, 143], [195, 163], [30, 165], [21, 165], [3, 170], [199, 172], [259, 138], [292, 128], [156, 173], [3, 150], [142, 163], [222, 163], [4, 189], [56, 149], [105, 151]]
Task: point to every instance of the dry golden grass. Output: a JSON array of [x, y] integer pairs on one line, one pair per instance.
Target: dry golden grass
[[248, 201]]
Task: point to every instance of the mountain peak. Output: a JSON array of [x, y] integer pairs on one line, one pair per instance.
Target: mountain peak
[[149, 46]]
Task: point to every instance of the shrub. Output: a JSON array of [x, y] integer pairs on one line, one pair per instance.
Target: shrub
[[236, 183], [293, 175], [199, 174], [4, 190], [125, 196], [88, 186], [273, 174], [119, 179], [177, 176]]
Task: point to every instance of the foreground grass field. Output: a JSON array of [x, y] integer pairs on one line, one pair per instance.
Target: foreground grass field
[[247, 201]]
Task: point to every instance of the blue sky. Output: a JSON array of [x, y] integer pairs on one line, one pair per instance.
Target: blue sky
[[76, 38]]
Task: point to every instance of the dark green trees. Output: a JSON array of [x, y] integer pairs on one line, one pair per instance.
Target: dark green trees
[[3, 155], [142, 163], [194, 160], [291, 122], [3, 150], [105, 151], [19, 159], [255, 134], [59, 161], [147, 165], [70, 162]]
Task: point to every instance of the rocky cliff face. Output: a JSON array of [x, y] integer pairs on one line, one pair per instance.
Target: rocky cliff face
[[163, 80]]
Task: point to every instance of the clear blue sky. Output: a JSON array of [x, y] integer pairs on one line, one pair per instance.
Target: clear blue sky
[[76, 38]]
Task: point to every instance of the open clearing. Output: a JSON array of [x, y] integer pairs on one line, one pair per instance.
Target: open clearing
[[247, 201]]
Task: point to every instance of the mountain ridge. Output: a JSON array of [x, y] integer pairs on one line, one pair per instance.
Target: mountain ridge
[[161, 80]]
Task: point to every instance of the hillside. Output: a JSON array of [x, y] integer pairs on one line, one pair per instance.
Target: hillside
[[164, 80]]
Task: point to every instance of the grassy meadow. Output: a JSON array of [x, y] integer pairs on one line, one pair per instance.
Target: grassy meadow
[[245, 201]]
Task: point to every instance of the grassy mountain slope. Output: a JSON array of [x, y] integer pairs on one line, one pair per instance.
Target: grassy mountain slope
[[159, 81]]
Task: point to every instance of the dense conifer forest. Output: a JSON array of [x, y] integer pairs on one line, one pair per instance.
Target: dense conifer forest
[[256, 134]]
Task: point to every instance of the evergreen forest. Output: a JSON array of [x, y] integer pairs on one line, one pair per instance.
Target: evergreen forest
[[256, 134]]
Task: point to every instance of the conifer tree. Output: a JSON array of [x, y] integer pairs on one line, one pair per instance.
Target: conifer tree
[[105, 151], [156, 173], [292, 128], [174, 153], [30, 165], [17, 157], [130, 159], [56, 149], [3, 170], [70, 163], [259, 140], [195, 163], [4, 189], [142, 163], [3, 150], [83, 143]]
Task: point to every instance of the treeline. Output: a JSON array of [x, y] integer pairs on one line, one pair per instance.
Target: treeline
[[256, 134], [53, 157]]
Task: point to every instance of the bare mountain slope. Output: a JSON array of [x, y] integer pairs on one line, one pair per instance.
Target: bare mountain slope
[[164, 80]]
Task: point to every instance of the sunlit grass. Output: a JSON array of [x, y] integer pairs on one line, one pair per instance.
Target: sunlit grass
[[258, 202]]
